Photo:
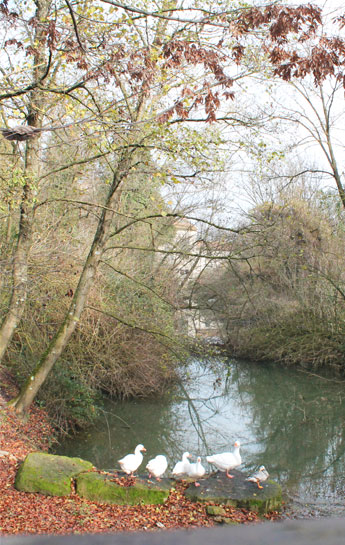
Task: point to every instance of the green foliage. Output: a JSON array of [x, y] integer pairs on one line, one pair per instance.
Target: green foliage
[[126, 343], [11, 192], [12, 178], [69, 399], [285, 299], [113, 90], [299, 338]]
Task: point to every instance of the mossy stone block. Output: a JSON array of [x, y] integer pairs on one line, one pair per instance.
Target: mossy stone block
[[49, 474], [237, 492], [215, 510], [102, 488]]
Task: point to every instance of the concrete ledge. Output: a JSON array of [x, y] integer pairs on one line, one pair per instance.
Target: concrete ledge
[[299, 532]]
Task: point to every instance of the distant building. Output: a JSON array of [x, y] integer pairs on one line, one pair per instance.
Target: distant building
[[185, 231], [192, 258]]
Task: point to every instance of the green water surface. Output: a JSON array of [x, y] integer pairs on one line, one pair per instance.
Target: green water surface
[[292, 421]]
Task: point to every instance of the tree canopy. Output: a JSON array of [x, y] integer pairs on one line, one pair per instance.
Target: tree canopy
[[102, 102]]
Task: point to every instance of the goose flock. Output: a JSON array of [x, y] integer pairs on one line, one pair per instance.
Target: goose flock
[[224, 461]]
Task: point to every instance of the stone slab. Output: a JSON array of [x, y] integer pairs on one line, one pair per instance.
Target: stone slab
[[103, 488], [49, 474], [239, 492]]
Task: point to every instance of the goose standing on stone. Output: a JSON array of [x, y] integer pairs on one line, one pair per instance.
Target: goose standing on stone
[[182, 467], [226, 460], [196, 470], [131, 462], [259, 476], [157, 466]]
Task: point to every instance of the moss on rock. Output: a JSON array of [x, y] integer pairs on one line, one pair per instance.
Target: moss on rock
[[101, 488], [215, 510], [237, 492], [49, 474]]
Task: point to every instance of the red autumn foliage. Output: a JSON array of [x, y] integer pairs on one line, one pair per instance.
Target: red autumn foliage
[[26, 513], [292, 37]]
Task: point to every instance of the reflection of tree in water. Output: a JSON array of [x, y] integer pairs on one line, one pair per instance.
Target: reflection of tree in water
[[204, 394], [122, 426], [288, 420], [183, 420], [298, 420]]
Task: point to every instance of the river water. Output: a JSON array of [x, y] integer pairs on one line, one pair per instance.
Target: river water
[[291, 421]]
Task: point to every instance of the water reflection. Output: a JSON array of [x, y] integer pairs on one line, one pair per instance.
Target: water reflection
[[288, 420]]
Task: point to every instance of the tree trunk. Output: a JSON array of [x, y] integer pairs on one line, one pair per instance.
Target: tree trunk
[[31, 171], [59, 342], [21, 254], [330, 155]]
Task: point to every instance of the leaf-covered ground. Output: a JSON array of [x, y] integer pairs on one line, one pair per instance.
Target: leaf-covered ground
[[24, 513]]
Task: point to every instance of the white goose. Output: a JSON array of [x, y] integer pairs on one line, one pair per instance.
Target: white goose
[[131, 462], [226, 460], [196, 470], [157, 466], [259, 476], [182, 467]]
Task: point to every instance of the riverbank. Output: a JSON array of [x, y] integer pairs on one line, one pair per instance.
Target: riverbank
[[24, 513]]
